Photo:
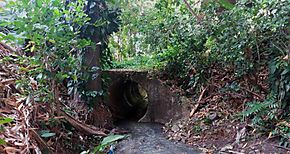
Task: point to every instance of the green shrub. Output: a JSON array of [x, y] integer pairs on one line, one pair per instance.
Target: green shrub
[[56, 34], [245, 37]]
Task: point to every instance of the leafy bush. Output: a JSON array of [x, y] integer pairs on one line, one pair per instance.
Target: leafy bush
[[272, 114], [244, 37], [49, 31], [56, 34]]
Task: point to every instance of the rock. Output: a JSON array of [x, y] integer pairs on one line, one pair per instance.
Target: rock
[[226, 148], [240, 135], [175, 128], [212, 116], [183, 140], [177, 138], [252, 152], [168, 124], [257, 151]]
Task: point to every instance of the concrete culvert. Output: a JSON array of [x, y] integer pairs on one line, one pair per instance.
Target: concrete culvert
[[127, 100]]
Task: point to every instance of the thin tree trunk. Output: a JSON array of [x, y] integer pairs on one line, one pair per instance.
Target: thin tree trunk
[[191, 11]]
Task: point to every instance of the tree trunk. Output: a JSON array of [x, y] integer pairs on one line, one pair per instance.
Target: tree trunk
[[93, 59], [100, 116]]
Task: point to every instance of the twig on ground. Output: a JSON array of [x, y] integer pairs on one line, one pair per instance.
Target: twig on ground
[[42, 144], [7, 47], [279, 146], [255, 94], [198, 103]]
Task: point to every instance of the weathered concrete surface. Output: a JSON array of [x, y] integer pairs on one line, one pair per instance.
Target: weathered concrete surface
[[163, 104]]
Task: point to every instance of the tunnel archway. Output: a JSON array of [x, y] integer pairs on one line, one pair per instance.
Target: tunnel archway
[[163, 104], [128, 100]]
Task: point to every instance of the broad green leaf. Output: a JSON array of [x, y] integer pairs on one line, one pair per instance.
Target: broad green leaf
[[5, 120], [112, 138], [226, 4], [47, 134], [28, 99], [107, 140], [2, 142], [285, 71], [39, 3]]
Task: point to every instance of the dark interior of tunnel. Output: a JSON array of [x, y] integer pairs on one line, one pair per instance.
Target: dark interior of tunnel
[[127, 100]]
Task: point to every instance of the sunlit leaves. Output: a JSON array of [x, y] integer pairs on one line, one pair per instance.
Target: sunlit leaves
[[2, 142], [5, 120], [108, 140], [50, 32], [226, 4], [2, 122], [243, 36]]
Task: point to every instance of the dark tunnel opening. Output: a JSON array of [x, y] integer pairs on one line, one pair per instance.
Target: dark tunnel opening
[[127, 100]]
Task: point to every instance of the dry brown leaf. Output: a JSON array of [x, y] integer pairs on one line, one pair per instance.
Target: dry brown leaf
[[33, 84], [16, 128], [11, 102], [285, 123], [286, 57], [6, 111], [11, 150], [8, 81]]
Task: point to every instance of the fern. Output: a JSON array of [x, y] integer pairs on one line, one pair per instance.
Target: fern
[[272, 114], [255, 108]]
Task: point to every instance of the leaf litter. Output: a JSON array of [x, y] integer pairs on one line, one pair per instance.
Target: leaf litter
[[29, 127], [215, 123]]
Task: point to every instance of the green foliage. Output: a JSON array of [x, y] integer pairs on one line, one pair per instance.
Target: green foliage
[[107, 141], [247, 34], [226, 4], [280, 81], [55, 44], [2, 122], [104, 21], [5, 120], [124, 43], [46, 134], [272, 114], [2, 142], [56, 34], [242, 37], [144, 62]]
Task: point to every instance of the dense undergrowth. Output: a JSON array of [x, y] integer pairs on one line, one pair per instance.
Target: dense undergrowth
[[220, 46], [47, 69], [244, 38]]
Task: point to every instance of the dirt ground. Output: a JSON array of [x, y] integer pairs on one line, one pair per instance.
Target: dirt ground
[[216, 123]]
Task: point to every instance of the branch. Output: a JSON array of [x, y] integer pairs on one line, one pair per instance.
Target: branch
[[41, 143], [12, 50], [87, 129], [253, 93], [278, 146], [191, 11], [198, 102]]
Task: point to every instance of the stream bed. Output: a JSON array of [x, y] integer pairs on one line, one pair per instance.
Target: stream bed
[[148, 138]]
